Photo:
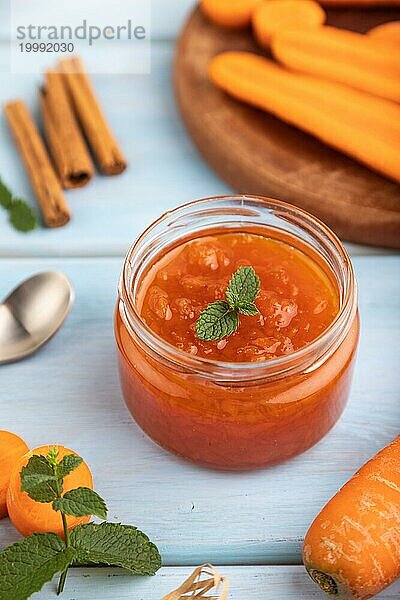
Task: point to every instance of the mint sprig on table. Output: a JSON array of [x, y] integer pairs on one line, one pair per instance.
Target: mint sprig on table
[[27, 565], [21, 216], [221, 318]]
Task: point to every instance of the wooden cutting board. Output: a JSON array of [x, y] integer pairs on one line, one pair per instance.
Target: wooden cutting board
[[258, 154]]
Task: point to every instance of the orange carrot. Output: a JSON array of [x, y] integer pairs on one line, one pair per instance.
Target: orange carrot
[[232, 14], [275, 15], [388, 32], [360, 125], [352, 550], [343, 56]]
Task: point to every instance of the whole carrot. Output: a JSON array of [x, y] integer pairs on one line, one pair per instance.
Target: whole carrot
[[360, 125], [231, 14], [276, 15], [343, 56], [352, 550]]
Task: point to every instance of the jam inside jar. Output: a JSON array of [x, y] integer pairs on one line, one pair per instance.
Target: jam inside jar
[[278, 384]]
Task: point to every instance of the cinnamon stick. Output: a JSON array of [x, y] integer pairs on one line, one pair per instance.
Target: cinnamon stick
[[64, 138], [101, 140], [37, 163]]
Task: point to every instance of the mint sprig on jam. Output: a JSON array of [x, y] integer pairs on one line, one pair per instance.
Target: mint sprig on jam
[[221, 318], [27, 565]]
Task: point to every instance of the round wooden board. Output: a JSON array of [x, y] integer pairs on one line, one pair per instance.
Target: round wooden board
[[258, 154]]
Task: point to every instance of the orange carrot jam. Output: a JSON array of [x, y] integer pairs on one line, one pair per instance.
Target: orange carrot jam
[[297, 299], [263, 395]]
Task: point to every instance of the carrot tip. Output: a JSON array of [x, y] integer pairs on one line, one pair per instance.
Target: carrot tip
[[325, 582]]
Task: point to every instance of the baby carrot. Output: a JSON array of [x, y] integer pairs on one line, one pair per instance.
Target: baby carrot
[[363, 126], [352, 550], [273, 16], [232, 14], [343, 56]]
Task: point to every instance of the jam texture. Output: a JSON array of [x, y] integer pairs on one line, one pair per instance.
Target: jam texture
[[296, 302]]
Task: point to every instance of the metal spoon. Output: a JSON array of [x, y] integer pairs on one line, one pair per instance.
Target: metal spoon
[[32, 314]]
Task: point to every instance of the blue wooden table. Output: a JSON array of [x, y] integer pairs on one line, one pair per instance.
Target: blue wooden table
[[250, 525]]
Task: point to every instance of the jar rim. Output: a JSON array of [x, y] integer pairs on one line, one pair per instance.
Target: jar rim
[[281, 364]]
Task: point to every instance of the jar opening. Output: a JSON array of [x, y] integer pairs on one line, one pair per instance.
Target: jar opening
[[238, 213]]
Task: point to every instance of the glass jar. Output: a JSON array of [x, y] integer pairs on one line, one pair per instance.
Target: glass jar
[[236, 416]]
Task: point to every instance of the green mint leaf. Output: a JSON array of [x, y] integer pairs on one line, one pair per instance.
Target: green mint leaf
[[216, 321], [115, 545], [21, 216], [5, 196], [38, 479], [243, 287], [81, 502], [248, 308], [69, 463], [27, 565]]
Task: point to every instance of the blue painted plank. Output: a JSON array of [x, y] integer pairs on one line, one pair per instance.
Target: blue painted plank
[[69, 393], [246, 583], [164, 168]]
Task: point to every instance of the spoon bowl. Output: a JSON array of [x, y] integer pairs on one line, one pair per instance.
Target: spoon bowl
[[32, 313]]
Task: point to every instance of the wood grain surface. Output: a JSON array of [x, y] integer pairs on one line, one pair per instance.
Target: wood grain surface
[[258, 154], [69, 393], [246, 583]]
